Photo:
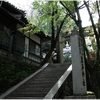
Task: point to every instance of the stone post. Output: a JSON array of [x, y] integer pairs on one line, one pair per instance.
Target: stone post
[[78, 66]]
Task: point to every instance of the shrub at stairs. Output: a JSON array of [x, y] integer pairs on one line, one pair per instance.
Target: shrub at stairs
[[13, 71]]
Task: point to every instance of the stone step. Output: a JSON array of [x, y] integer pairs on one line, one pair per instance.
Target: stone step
[[38, 86], [29, 93], [35, 90], [25, 98]]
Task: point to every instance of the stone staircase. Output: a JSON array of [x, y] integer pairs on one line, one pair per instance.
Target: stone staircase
[[40, 84]]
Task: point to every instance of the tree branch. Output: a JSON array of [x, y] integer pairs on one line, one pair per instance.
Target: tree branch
[[70, 13], [95, 32], [59, 29], [52, 26], [82, 6]]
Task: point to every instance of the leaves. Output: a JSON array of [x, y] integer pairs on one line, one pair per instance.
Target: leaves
[[69, 4], [30, 29], [12, 72], [44, 14]]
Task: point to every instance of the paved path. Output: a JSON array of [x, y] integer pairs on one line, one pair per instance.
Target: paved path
[[38, 86]]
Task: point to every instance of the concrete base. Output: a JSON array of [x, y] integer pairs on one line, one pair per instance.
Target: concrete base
[[80, 97]]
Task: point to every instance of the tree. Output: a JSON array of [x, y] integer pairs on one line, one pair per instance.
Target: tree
[[91, 67], [51, 18]]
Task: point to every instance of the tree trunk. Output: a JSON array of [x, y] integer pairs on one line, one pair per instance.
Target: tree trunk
[[53, 44], [95, 32], [94, 67], [60, 50], [57, 49], [92, 78], [94, 84]]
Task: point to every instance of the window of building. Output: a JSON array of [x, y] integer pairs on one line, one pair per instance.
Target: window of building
[[34, 48]]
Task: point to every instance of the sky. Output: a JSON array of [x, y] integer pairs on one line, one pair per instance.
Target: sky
[[22, 4], [85, 18], [26, 5]]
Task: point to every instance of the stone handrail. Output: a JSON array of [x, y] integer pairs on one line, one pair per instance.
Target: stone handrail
[[56, 87]]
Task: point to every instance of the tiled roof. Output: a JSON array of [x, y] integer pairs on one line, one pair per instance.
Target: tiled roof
[[13, 11], [7, 5]]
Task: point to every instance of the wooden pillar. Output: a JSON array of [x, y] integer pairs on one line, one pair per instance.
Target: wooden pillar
[[11, 44], [26, 47], [60, 50]]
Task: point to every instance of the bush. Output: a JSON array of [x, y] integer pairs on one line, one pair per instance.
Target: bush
[[13, 71]]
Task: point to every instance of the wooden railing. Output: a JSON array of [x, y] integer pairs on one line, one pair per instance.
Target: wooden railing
[[18, 52]]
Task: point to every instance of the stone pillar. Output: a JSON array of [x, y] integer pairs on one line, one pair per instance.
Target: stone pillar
[[78, 66]]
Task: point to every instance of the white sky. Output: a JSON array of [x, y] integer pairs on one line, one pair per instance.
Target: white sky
[[22, 4], [26, 5], [85, 18]]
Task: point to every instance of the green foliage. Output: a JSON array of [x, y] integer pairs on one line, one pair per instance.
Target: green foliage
[[41, 20], [68, 90], [93, 6], [90, 93], [69, 4], [90, 33], [1, 32], [69, 26], [44, 15], [30, 29], [12, 72], [67, 57]]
